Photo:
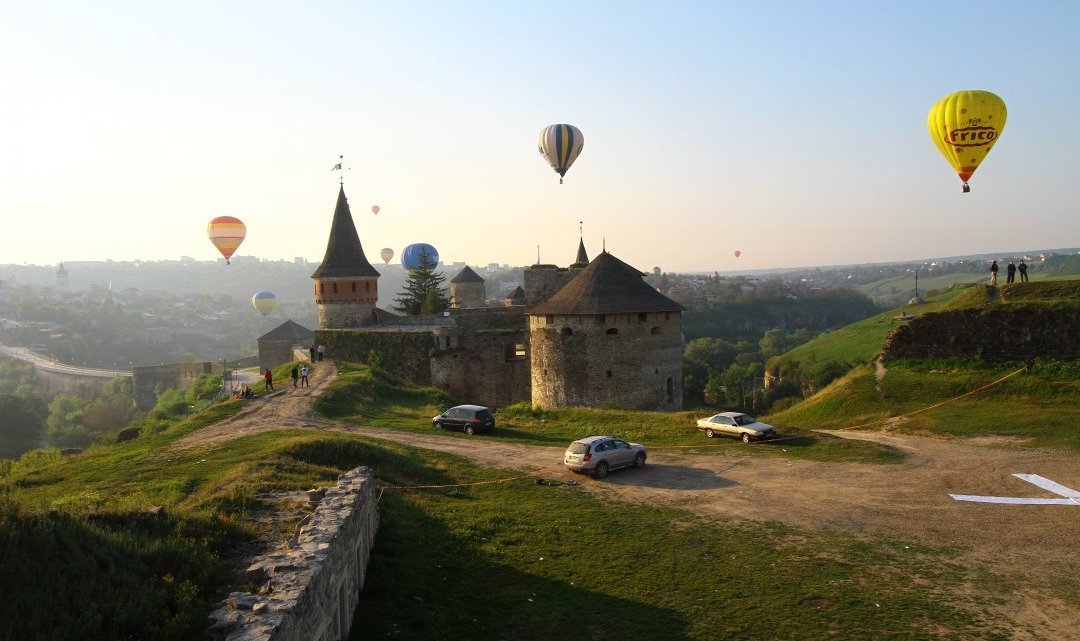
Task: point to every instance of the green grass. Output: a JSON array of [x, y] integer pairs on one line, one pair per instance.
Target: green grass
[[1039, 407], [369, 397], [526, 561]]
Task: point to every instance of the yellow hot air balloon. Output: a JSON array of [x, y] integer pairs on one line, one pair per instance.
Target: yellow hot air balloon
[[560, 145], [964, 126], [264, 302], [226, 233]]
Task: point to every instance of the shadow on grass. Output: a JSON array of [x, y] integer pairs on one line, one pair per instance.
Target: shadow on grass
[[425, 582], [671, 477], [511, 434]]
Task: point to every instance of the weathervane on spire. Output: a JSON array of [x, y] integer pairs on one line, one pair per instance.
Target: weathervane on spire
[[580, 233], [340, 168]]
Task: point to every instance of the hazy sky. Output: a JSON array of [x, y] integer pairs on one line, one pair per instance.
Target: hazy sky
[[792, 131]]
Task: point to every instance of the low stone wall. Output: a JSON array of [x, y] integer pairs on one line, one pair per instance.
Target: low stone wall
[[989, 334], [309, 591]]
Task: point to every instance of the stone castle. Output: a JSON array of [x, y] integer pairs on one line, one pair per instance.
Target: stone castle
[[593, 334]]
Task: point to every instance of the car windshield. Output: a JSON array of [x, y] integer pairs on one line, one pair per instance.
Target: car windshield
[[578, 448], [743, 419]]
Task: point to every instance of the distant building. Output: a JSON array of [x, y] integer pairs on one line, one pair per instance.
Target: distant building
[[61, 276], [276, 346], [467, 289]]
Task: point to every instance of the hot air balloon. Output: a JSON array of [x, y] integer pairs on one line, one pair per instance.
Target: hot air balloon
[[964, 126], [264, 302], [737, 253], [411, 255], [560, 146], [375, 209], [387, 254], [226, 233]]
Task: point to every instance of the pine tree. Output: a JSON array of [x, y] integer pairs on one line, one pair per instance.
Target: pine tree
[[424, 292]]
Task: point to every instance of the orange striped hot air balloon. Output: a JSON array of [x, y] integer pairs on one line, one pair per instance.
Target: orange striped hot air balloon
[[226, 233]]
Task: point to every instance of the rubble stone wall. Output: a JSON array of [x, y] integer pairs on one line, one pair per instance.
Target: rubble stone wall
[[309, 590]]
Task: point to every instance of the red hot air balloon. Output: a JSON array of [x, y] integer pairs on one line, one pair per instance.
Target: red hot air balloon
[[387, 254], [226, 233], [375, 209], [737, 253]]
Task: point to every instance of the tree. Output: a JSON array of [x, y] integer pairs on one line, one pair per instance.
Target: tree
[[23, 425], [424, 292]]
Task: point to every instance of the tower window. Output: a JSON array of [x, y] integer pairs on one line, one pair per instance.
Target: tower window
[[367, 286], [670, 390], [549, 319], [609, 373], [642, 317], [335, 287], [612, 331], [566, 331], [354, 287], [654, 331]]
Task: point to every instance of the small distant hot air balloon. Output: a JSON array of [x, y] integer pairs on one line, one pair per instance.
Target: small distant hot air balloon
[[226, 233], [964, 127], [560, 145], [264, 302], [375, 209], [737, 253], [411, 255], [387, 254]]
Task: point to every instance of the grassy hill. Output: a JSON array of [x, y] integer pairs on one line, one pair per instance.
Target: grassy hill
[[1038, 407]]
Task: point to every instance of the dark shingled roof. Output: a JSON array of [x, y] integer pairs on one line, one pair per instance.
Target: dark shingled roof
[[344, 255], [606, 286], [467, 275], [517, 295], [287, 331], [582, 257]]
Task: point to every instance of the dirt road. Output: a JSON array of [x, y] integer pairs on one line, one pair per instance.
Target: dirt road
[[1037, 544]]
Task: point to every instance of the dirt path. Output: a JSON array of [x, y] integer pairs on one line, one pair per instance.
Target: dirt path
[[1037, 544]]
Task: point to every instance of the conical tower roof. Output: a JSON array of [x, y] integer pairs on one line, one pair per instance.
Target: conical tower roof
[[606, 286], [582, 257], [467, 275], [344, 255]]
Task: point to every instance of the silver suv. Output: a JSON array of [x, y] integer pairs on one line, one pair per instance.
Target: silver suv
[[597, 455]]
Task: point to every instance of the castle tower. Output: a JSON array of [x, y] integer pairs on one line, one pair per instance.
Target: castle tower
[[61, 276], [346, 285], [606, 339], [582, 258], [467, 289]]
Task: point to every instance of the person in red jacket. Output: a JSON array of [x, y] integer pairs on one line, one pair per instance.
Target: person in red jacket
[[269, 376]]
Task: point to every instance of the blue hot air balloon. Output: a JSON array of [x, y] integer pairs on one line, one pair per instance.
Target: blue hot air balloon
[[411, 255]]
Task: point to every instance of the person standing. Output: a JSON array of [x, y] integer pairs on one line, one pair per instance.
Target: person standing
[[1010, 272], [311, 350], [303, 376], [295, 375], [322, 351], [1022, 268], [268, 376], [993, 272]]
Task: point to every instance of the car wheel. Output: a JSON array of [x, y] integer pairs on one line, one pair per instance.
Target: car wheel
[[469, 430], [639, 460], [746, 437], [437, 425], [710, 433], [601, 470]]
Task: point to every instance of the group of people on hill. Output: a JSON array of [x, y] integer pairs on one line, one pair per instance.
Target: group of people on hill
[[1010, 272], [299, 374]]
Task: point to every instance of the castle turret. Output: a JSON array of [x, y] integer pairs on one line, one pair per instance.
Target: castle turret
[[467, 289], [346, 285], [606, 339]]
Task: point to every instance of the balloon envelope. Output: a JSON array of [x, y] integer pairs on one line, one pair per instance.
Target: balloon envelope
[[411, 255], [226, 233], [964, 127], [375, 209], [560, 145], [264, 302], [387, 254], [737, 253]]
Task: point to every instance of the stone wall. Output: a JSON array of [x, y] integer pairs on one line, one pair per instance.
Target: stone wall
[[148, 379], [631, 361], [309, 591], [995, 334], [483, 367], [403, 352]]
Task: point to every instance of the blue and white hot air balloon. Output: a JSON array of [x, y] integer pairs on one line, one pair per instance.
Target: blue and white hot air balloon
[[560, 146], [413, 255]]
